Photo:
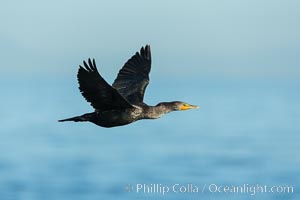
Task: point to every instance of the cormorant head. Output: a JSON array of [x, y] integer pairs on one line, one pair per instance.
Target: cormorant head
[[178, 105], [183, 106]]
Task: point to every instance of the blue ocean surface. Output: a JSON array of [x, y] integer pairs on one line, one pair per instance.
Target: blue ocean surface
[[245, 134]]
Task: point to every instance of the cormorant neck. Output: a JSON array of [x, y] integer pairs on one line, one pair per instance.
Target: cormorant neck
[[154, 112]]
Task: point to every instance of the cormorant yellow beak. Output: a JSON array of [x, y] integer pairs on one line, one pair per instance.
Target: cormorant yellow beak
[[188, 106]]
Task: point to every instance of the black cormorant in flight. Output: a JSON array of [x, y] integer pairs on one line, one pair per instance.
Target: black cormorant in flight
[[122, 103]]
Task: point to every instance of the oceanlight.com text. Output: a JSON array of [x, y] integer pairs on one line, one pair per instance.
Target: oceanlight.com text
[[177, 188]]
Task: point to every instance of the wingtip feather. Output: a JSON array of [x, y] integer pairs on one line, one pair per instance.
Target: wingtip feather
[[94, 62], [148, 52]]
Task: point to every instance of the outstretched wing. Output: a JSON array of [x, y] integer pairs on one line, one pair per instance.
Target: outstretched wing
[[97, 91], [133, 78]]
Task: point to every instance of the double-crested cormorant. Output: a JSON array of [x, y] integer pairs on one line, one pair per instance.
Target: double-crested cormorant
[[122, 103]]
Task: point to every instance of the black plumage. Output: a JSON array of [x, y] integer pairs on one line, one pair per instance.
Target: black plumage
[[133, 78], [122, 103]]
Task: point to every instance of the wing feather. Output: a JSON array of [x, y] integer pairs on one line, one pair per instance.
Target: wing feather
[[97, 91], [133, 78]]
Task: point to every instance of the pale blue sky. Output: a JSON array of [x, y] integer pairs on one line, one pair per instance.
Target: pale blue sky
[[233, 38]]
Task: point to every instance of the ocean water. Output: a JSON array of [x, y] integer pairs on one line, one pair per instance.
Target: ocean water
[[245, 134]]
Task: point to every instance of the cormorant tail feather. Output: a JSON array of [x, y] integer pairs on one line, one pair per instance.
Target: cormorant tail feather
[[82, 118]]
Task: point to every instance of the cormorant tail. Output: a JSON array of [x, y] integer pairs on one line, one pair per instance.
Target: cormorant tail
[[82, 118]]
